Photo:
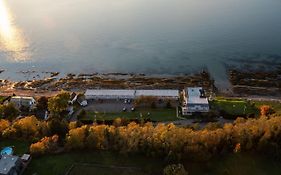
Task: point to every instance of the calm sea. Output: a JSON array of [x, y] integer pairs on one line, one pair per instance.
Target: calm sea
[[141, 36]]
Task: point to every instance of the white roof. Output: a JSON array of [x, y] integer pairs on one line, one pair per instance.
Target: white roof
[[158, 93], [22, 98], [194, 96], [109, 92], [133, 93]]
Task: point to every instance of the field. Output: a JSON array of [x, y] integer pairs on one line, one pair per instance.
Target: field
[[276, 106], [100, 163], [107, 163], [234, 107], [88, 169], [159, 114]]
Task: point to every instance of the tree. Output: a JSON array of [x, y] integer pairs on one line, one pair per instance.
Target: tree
[[42, 103], [57, 127], [27, 127], [45, 145], [59, 103], [9, 111], [265, 110], [75, 139], [4, 124]]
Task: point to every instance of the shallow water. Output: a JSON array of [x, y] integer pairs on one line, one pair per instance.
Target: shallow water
[[143, 36]]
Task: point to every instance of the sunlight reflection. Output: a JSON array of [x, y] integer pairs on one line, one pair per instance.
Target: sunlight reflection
[[12, 41]]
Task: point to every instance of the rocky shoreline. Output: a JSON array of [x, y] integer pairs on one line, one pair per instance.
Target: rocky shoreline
[[254, 82], [244, 83], [81, 82]]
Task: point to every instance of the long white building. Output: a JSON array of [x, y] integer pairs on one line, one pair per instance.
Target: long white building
[[130, 94]]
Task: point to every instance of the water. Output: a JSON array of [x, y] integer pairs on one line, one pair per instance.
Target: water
[[142, 36], [7, 151]]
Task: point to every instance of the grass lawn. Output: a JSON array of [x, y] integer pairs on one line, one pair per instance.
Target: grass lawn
[[89, 169], [235, 164], [234, 106], [276, 106], [155, 115], [20, 147], [60, 164]]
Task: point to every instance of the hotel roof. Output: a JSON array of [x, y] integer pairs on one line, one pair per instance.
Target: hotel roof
[[195, 96]]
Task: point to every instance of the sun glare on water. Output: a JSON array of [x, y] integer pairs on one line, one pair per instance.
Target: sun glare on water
[[12, 41]]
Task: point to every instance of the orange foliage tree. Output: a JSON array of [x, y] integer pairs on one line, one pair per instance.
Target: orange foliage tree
[[45, 145], [265, 110]]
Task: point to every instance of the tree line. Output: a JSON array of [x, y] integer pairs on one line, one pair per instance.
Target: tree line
[[261, 135]]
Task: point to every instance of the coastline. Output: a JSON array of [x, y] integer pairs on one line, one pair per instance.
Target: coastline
[[80, 82], [242, 83]]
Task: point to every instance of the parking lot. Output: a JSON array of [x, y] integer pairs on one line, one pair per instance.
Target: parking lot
[[109, 106]]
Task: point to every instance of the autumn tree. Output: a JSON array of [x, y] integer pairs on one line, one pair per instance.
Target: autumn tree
[[4, 124], [75, 138], [45, 145], [265, 110], [27, 127]]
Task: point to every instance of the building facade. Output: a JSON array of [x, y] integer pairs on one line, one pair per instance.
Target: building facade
[[194, 101]]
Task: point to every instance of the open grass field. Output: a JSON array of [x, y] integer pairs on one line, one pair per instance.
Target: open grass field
[[234, 107], [107, 163], [276, 106], [88, 169], [159, 114], [235, 164], [60, 164]]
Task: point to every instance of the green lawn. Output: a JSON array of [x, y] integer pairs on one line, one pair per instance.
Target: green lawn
[[234, 106], [155, 115], [104, 170], [20, 147], [60, 164], [235, 164], [276, 106]]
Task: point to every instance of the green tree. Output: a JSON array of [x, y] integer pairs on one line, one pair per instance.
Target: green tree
[[57, 127], [59, 103], [9, 111], [42, 103]]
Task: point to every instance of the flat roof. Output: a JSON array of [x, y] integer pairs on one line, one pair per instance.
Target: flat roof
[[158, 93], [109, 92], [7, 162], [193, 96], [133, 93], [22, 98]]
